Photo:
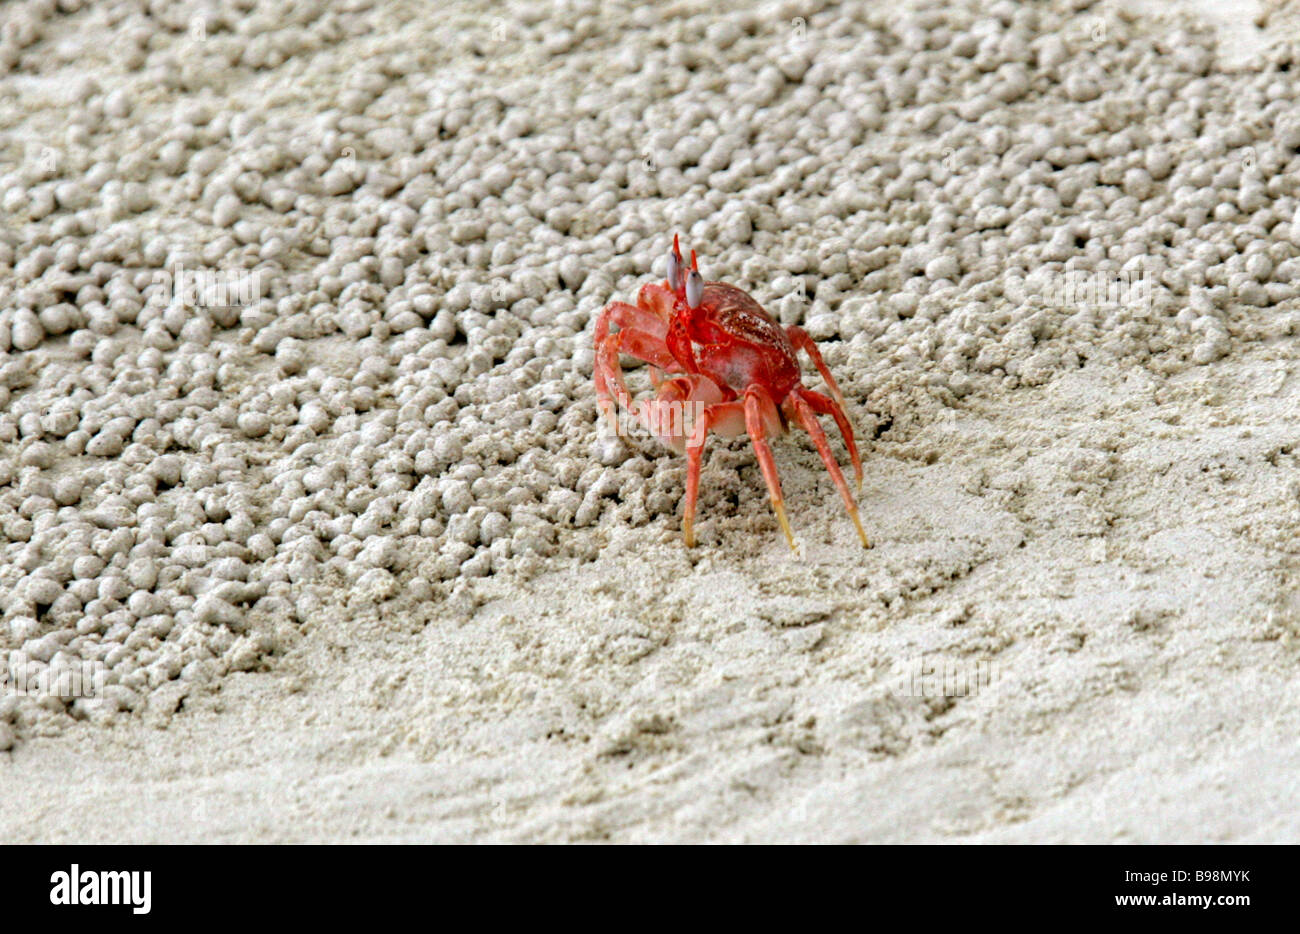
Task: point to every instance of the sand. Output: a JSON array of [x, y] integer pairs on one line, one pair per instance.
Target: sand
[[1093, 509]]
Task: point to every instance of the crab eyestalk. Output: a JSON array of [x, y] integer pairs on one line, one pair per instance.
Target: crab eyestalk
[[685, 282], [694, 289], [676, 270]]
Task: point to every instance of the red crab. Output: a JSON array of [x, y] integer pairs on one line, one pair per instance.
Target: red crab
[[715, 354]]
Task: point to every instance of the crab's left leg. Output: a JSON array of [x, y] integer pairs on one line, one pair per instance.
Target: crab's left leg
[[839, 410], [799, 337], [824, 405], [808, 418]]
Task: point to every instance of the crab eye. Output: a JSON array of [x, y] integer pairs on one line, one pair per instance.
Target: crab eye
[[674, 271], [694, 289]]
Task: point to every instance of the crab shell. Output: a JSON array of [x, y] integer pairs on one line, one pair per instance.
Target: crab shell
[[723, 364]]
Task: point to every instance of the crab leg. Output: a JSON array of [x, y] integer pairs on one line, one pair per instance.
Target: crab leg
[[695, 453], [799, 337], [840, 411], [758, 409], [826, 406], [808, 418]]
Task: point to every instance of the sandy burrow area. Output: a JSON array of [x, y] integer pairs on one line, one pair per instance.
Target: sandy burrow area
[[1145, 686], [350, 606]]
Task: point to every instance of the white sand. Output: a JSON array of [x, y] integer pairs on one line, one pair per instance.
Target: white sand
[[1100, 506]]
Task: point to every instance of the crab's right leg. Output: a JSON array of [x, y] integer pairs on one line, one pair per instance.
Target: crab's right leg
[[760, 412], [711, 416]]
